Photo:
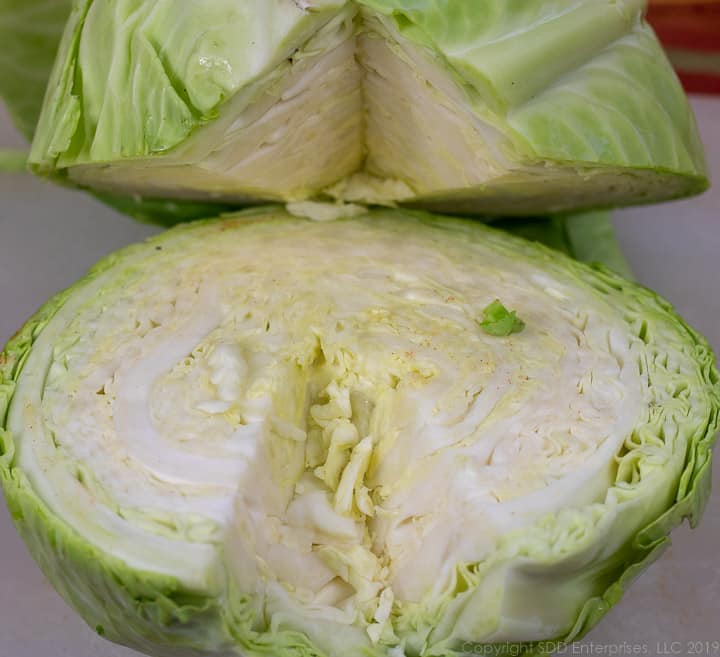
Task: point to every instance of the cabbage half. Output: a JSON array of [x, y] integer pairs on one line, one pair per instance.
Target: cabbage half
[[475, 106], [263, 435]]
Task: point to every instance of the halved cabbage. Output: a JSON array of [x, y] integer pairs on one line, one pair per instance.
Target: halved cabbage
[[477, 106], [265, 435]]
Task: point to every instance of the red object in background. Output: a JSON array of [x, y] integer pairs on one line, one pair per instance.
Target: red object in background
[[690, 32], [700, 83], [687, 24]]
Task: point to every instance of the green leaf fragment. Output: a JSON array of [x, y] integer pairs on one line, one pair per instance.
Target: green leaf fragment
[[499, 321]]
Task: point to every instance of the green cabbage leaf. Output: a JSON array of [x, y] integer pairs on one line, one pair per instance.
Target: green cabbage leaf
[[30, 31]]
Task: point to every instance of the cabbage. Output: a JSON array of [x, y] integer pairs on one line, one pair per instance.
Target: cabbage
[[389, 434], [522, 107]]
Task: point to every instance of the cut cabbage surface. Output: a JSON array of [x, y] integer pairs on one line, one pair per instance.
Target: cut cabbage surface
[[266, 435], [475, 106]]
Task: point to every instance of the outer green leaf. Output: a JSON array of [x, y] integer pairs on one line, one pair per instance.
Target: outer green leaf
[[30, 31], [162, 212], [587, 236], [592, 239]]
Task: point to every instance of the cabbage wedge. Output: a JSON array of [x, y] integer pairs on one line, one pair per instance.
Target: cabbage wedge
[[393, 434], [491, 107]]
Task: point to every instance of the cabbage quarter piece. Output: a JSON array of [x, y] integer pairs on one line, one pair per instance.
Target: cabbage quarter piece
[[479, 106], [260, 435]]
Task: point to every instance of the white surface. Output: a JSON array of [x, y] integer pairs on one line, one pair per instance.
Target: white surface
[[50, 236]]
